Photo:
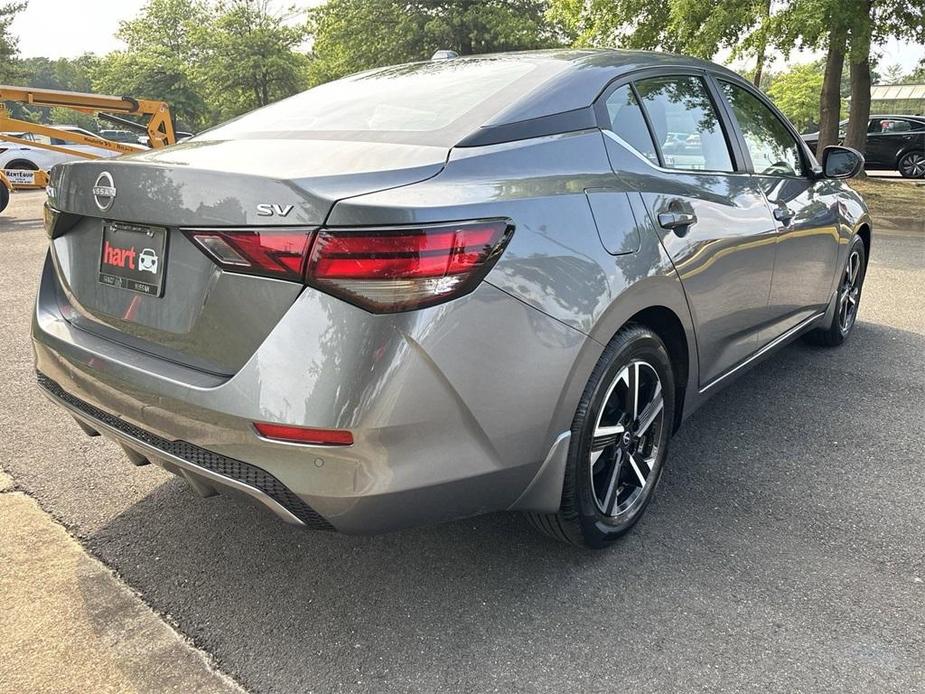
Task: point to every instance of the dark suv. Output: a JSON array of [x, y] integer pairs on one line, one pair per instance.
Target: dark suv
[[894, 143]]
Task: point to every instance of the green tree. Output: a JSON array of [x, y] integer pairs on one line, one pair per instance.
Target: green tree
[[917, 76], [67, 116], [893, 74], [251, 56], [693, 27], [848, 30], [875, 21], [159, 62], [9, 45], [796, 93], [62, 73], [825, 25], [624, 23], [355, 35]]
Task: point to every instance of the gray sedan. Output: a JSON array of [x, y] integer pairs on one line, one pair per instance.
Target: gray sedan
[[441, 289]]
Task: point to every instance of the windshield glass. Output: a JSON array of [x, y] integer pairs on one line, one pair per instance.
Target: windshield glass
[[422, 102]]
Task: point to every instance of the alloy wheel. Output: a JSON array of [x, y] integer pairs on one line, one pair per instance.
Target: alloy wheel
[[850, 293], [913, 165], [624, 448]]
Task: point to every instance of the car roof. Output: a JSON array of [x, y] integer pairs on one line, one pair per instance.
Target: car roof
[[576, 77], [569, 78]]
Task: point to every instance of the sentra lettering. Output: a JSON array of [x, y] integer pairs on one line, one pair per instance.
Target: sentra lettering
[[120, 257]]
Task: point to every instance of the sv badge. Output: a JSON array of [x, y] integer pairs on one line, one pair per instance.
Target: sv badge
[[266, 209]]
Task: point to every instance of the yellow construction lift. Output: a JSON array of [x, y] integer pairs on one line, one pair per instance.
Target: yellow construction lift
[[159, 126], [5, 189]]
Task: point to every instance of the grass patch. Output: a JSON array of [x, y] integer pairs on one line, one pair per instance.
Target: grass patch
[[887, 198]]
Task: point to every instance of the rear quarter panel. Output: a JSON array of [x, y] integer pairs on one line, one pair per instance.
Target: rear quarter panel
[[555, 261]]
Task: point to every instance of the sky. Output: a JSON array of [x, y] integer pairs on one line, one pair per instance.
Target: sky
[[68, 28]]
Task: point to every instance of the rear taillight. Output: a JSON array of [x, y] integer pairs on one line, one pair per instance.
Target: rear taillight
[[383, 270], [397, 269], [271, 252]]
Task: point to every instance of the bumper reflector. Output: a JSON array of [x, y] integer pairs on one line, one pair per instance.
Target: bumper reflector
[[307, 435]]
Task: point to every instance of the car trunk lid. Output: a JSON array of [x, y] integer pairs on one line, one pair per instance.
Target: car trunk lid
[[203, 317]]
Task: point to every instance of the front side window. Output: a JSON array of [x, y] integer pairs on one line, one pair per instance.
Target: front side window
[[628, 123], [685, 123], [773, 150]]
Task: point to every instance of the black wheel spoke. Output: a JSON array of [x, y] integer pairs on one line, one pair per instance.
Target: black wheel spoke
[[610, 496], [651, 411], [624, 445], [640, 469], [632, 391]]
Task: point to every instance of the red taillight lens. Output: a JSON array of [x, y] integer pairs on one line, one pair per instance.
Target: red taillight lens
[[279, 253], [382, 270], [396, 269], [307, 435]]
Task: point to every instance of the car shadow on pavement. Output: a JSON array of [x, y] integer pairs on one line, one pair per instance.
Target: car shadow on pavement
[[20, 225], [768, 485]]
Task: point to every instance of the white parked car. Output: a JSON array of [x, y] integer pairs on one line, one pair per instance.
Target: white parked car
[[14, 155]]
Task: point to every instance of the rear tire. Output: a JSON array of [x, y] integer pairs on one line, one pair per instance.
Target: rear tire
[[4, 197], [912, 165], [847, 299], [619, 442]]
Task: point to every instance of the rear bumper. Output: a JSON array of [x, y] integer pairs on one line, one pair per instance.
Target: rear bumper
[[448, 415], [202, 468]]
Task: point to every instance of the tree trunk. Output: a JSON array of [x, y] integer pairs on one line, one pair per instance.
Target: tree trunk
[[762, 44], [830, 99], [759, 66], [858, 117]]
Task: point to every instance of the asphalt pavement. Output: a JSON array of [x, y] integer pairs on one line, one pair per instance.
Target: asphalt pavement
[[784, 551]]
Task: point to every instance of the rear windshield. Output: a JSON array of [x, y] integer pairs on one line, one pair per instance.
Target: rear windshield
[[427, 103]]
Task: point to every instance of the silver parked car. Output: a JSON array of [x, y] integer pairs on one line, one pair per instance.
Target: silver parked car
[[441, 289]]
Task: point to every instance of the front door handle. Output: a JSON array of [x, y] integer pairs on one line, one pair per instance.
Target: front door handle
[[783, 215], [678, 222]]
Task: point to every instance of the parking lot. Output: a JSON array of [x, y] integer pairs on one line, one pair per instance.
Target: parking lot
[[785, 550]]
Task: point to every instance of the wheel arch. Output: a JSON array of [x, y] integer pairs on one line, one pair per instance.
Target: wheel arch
[[29, 164], [914, 147], [659, 303], [864, 232], [544, 493], [665, 323]]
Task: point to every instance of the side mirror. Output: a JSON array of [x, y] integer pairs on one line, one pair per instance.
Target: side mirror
[[841, 162]]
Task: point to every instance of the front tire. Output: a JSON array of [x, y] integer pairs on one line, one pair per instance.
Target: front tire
[[912, 165], [619, 442], [4, 197], [847, 299]]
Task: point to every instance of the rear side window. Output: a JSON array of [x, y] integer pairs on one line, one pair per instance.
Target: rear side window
[[893, 125], [773, 150], [685, 124], [628, 123]]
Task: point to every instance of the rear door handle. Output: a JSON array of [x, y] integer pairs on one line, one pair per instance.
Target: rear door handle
[[678, 222], [783, 215]]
